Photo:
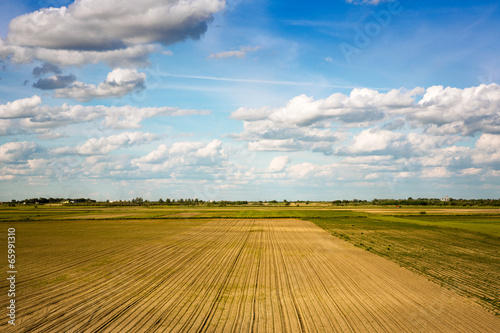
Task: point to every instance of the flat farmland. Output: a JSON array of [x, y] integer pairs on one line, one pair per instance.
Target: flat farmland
[[459, 252], [219, 274]]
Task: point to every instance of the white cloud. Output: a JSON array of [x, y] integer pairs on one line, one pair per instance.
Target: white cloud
[[118, 83], [437, 119], [275, 145], [459, 111], [17, 152], [372, 176], [405, 174], [182, 157], [308, 170], [241, 53], [449, 156], [367, 2], [489, 143], [108, 144], [303, 170], [88, 30], [306, 124], [487, 150], [438, 172], [51, 136], [6, 127], [132, 56], [33, 116], [278, 163], [374, 140], [20, 108], [471, 171], [131, 117]]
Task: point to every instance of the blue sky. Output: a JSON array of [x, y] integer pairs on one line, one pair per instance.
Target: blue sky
[[253, 100]]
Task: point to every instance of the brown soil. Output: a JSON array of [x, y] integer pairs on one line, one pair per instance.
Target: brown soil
[[247, 275]]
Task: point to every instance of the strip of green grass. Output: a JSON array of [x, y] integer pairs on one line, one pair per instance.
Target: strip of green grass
[[484, 224], [462, 260]]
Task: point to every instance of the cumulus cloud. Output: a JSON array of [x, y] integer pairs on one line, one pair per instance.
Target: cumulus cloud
[[362, 105], [118, 83], [487, 150], [90, 29], [471, 171], [132, 56], [6, 127], [438, 172], [278, 163], [372, 176], [373, 141], [54, 82], [20, 108], [34, 116], [459, 111], [105, 145], [46, 68], [182, 155], [17, 152], [308, 170], [306, 124], [241, 53], [438, 117]]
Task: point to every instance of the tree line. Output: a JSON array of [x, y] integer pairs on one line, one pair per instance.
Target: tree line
[[139, 201]]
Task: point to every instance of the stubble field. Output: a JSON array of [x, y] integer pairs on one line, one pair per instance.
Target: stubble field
[[209, 270]]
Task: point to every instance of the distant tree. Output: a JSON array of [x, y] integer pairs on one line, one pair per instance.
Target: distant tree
[[138, 201]]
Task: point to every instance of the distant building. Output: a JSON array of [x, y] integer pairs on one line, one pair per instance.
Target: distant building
[[445, 199]]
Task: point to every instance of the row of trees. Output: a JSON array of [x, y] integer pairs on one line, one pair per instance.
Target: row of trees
[[139, 201], [43, 201], [436, 202]]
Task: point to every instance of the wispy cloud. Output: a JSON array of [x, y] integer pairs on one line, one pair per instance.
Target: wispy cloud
[[241, 53], [367, 2], [260, 81]]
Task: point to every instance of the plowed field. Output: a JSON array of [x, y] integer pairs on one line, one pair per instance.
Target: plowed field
[[232, 275]]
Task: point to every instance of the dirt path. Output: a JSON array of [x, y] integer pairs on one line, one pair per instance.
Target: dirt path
[[248, 275]]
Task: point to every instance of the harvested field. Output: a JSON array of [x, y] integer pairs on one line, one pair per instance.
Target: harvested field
[[229, 275]]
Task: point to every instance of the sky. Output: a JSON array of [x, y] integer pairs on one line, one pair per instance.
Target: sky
[[249, 99]]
